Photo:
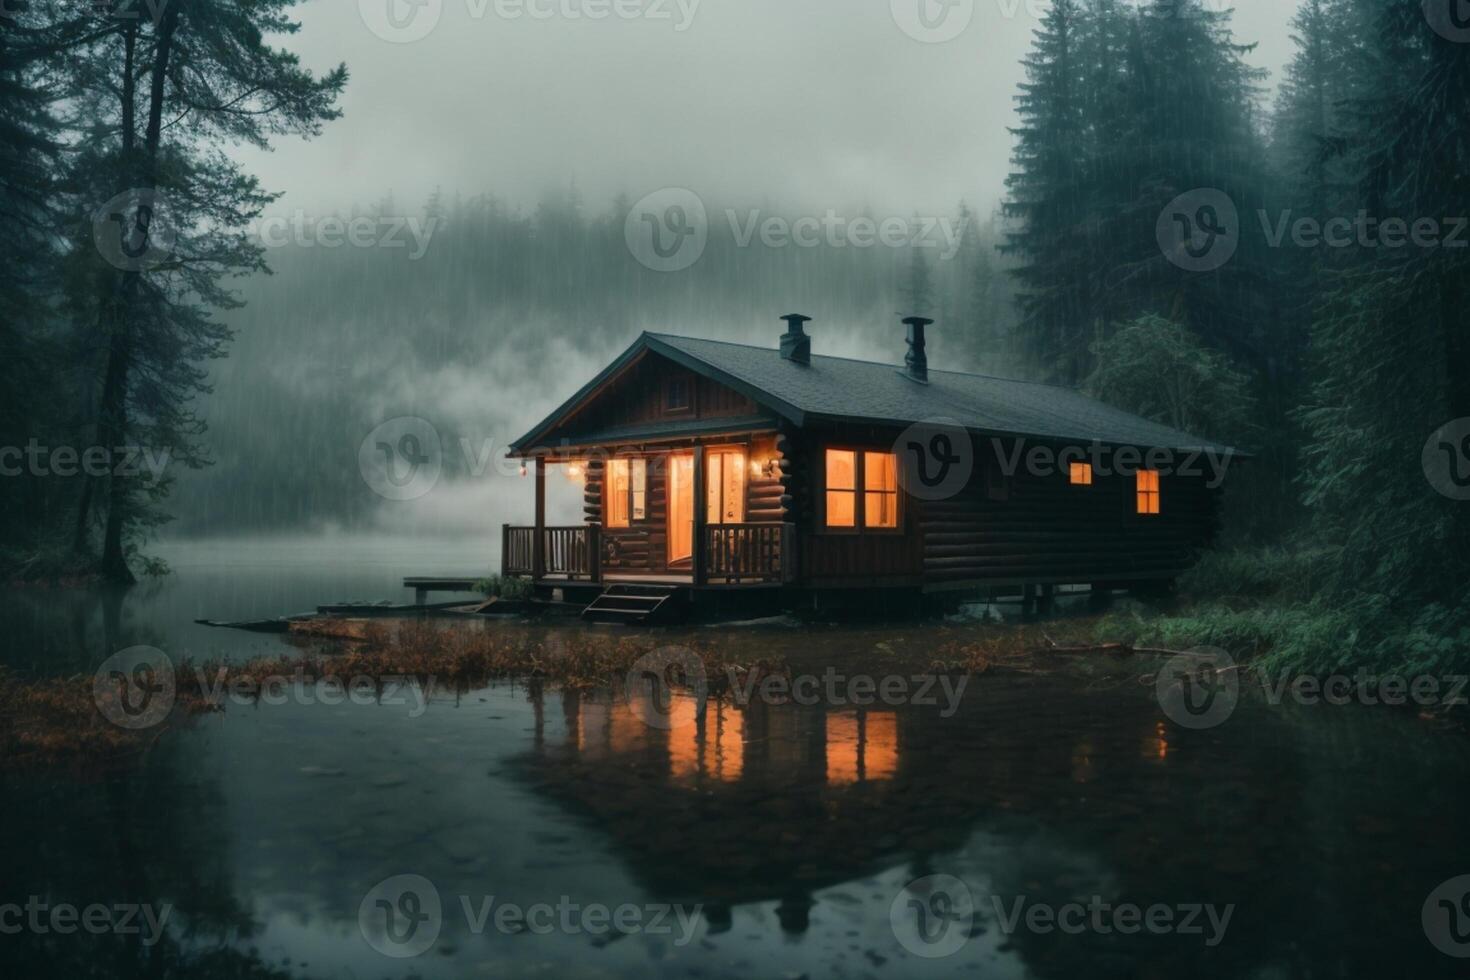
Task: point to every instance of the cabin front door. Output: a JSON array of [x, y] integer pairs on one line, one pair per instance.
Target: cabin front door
[[681, 507]]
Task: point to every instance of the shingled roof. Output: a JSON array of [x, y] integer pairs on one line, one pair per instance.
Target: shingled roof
[[840, 388]]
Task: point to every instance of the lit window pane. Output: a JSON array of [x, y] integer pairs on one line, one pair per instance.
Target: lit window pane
[[615, 494], [725, 488], [1082, 474], [880, 471], [841, 469], [1148, 491], [640, 489], [882, 510], [841, 509]]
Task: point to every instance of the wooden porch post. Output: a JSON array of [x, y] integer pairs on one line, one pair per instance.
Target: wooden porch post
[[504, 550], [538, 542], [700, 505], [594, 552]]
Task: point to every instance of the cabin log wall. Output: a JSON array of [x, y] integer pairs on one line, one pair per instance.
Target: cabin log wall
[[1048, 530], [1036, 529]]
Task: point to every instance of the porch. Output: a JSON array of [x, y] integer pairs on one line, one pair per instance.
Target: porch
[[725, 555]]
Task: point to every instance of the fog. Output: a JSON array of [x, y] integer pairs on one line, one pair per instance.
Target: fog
[[533, 133], [808, 103]]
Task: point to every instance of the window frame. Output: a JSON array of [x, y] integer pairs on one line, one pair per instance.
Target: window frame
[[860, 481], [728, 452], [685, 379], [1143, 493], [635, 512]]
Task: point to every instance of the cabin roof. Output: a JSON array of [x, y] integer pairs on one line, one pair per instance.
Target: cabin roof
[[844, 389]]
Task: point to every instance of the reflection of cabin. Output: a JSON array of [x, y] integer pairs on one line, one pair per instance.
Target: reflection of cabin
[[807, 806], [711, 465]]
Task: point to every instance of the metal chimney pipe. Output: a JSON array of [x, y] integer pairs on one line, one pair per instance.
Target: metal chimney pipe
[[916, 361], [796, 346]]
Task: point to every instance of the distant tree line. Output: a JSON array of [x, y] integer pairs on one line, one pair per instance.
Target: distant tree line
[[339, 339]]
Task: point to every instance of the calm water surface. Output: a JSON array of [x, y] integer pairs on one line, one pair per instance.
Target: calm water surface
[[794, 830]]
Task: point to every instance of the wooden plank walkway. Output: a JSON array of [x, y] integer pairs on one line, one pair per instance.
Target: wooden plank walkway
[[422, 585]]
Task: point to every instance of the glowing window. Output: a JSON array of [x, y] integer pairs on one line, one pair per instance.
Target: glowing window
[[639, 489], [1081, 474], [841, 488], [880, 490], [1148, 491], [626, 492], [725, 488]]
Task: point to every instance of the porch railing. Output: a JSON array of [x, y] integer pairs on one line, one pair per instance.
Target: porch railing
[[738, 553], [733, 554], [566, 552]]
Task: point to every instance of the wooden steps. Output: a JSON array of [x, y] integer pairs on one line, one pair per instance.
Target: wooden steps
[[634, 604]]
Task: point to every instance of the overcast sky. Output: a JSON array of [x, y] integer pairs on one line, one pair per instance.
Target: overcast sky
[[796, 103]]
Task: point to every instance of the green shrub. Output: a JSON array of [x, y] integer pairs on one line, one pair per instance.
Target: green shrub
[[1269, 606], [1289, 573], [505, 587]]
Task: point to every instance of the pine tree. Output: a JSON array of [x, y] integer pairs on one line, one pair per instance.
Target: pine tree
[[1047, 200], [1391, 339], [172, 199]]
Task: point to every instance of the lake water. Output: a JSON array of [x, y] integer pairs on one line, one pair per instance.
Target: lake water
[[327, 840]]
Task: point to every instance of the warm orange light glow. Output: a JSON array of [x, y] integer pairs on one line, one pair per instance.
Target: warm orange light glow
[[880, 748], [880, 485], [841, 488], [725, 488], [1148, 491], [718, 752], [843, 764], [639, 476], [1081, 474], [861, 748], [625, 491], [615, 493], [1159, 743], [683, 737], [681, 507], [724, 743]]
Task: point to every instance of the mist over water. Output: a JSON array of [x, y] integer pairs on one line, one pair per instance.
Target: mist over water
[[503, 157]]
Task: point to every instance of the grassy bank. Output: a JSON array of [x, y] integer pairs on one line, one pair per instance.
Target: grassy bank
[[1274, 606], [59, 721]]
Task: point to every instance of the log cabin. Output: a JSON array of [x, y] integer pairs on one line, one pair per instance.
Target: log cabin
[[713, 467]]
